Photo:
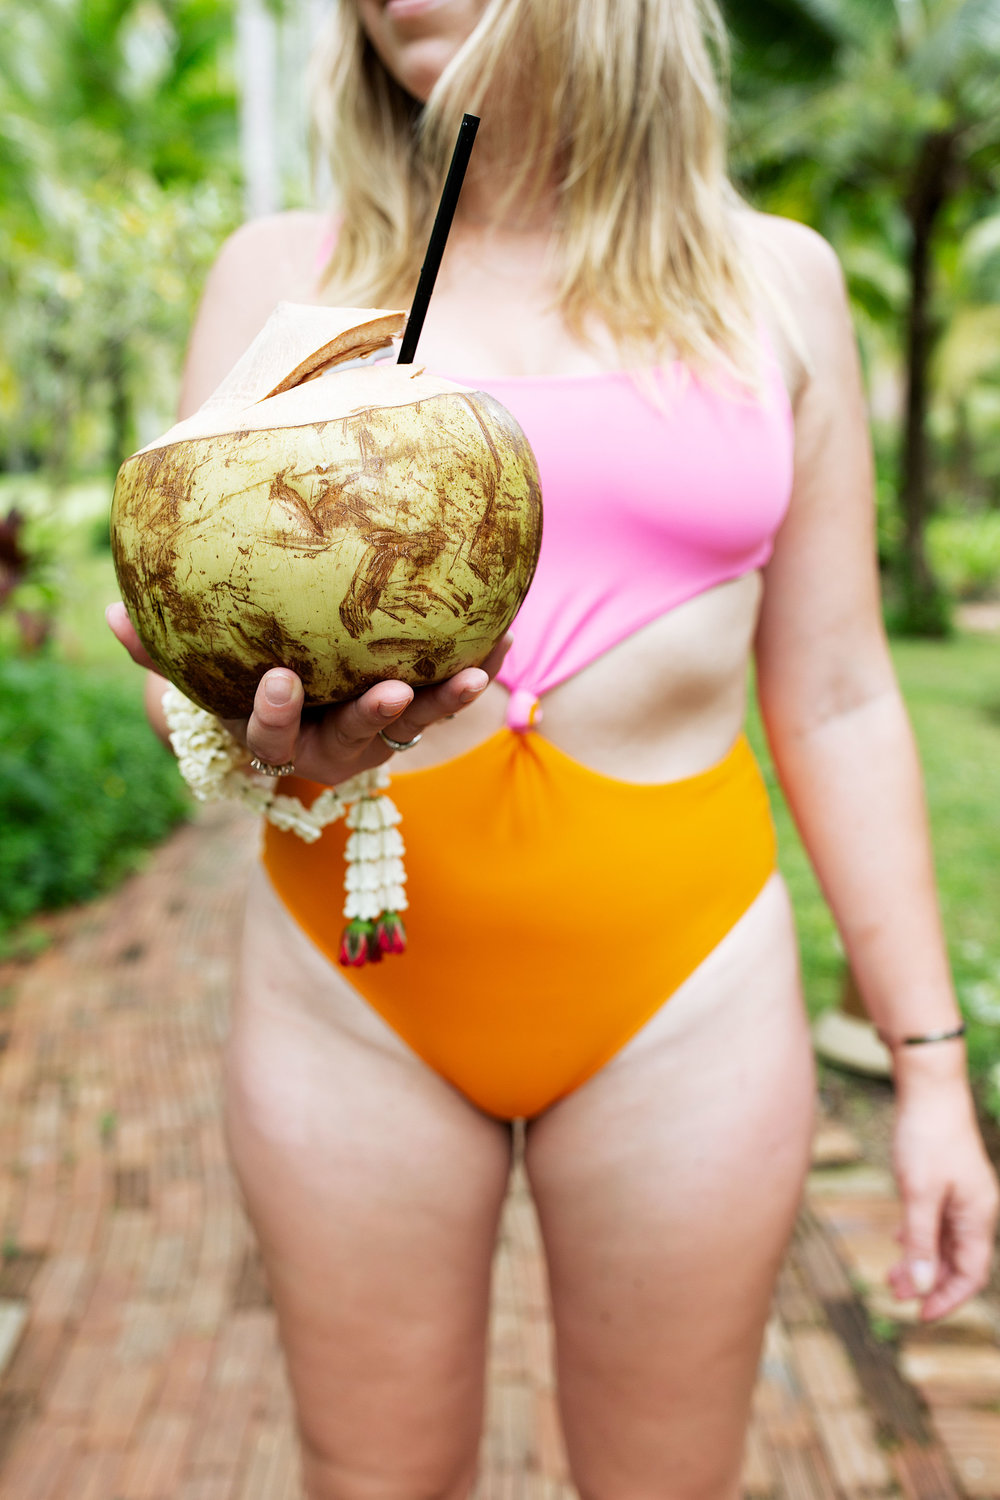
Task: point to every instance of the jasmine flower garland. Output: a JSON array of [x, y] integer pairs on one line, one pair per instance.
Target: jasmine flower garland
[[216, 768]]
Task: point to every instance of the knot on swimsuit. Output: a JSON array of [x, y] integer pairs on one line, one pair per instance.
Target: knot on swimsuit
[[523, 710]]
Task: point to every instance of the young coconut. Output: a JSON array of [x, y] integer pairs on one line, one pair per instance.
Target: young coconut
[[353, 524]]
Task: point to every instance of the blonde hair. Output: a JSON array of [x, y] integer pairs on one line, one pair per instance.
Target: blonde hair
[[624, 113]]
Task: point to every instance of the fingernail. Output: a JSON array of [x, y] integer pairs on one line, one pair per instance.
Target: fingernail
[[467, 694], [278, 690], [923, 1274], [394, 706]]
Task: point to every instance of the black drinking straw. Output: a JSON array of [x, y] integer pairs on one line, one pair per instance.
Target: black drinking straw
[[439, 235]]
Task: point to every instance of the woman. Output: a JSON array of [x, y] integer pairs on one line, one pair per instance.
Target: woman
[[668, 1128]]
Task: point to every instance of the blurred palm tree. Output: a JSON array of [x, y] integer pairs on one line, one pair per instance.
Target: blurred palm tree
[[877, 121]]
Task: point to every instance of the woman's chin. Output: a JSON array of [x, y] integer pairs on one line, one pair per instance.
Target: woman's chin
[[418, 66], [417, 39]]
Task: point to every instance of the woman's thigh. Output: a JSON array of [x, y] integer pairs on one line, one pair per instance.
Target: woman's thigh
[[374, 1190], [667, 1188]]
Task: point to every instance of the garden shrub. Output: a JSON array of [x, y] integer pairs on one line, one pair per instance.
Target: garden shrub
[[84, 784]]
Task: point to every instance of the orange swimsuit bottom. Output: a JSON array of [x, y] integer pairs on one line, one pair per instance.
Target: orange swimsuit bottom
[[552, 910]]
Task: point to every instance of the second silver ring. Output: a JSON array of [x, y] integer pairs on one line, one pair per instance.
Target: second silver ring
[[399, 744]]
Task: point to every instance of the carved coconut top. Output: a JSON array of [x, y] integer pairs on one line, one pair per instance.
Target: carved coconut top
[[293, 374]]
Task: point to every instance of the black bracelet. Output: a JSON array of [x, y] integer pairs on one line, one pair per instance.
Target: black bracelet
[[921, 1041]]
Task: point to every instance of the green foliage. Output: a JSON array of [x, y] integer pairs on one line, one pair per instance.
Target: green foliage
[[83, 785], [102, 310], [953, 694], [884, 1330], [875, 78], [965, 552], [118, 179], [780, 41], [876, 122], [916, 604], [94, 87]]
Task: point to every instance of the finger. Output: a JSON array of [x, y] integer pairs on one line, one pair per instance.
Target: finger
[[951, 1294], [347, 730], [445, 699], [123, 630], [384, 705], [967, 1255], [898, 1278], [273, 727], [442, 701], [917, 1274], [433, 703]]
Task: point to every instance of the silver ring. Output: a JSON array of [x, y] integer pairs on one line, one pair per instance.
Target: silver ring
[[400, 744], [266, 768]]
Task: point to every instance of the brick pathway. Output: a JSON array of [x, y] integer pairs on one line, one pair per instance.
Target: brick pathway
[[137, 1352]]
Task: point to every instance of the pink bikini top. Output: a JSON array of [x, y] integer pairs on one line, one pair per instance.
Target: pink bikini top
[[643, 508]]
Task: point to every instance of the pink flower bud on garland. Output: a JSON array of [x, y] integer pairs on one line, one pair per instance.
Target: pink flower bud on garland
[[391, 933], [359, 944]]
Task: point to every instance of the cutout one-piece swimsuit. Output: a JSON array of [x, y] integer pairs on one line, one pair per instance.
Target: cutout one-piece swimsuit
[[553, 909]]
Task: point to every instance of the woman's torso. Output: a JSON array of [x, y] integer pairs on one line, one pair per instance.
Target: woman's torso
[[667, 699], [665, 703]]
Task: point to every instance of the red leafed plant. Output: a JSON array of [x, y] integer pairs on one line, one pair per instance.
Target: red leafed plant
[[18, 566]]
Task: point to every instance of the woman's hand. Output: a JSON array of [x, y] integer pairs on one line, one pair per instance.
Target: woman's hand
[[337, 742], [948, 1187]]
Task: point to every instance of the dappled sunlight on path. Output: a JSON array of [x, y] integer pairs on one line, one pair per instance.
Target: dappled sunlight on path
[[138, 1357]]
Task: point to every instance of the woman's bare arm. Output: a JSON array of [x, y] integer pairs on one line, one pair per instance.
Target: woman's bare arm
[[828, 690], [845, 755]]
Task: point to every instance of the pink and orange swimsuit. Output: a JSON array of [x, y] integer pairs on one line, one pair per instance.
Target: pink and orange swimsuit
[[553, 909]]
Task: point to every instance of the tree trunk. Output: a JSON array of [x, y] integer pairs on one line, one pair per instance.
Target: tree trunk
[[924, 609], [257, 46], [122, 437], [60, 428]]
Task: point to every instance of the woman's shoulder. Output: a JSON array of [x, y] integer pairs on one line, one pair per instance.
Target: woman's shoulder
[[280, 250], [804, 294], [266, 261], [788, 241]]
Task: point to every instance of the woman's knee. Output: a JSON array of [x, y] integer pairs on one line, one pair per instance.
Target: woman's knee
[[715, 1484], [448, 1475]]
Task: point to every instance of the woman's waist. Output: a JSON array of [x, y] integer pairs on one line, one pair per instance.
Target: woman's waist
[[639, 732], [552, 778], [518, 803], [652, 747]]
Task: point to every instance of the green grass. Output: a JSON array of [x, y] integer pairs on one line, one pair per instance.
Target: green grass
[[819, 942], [952, 689]]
